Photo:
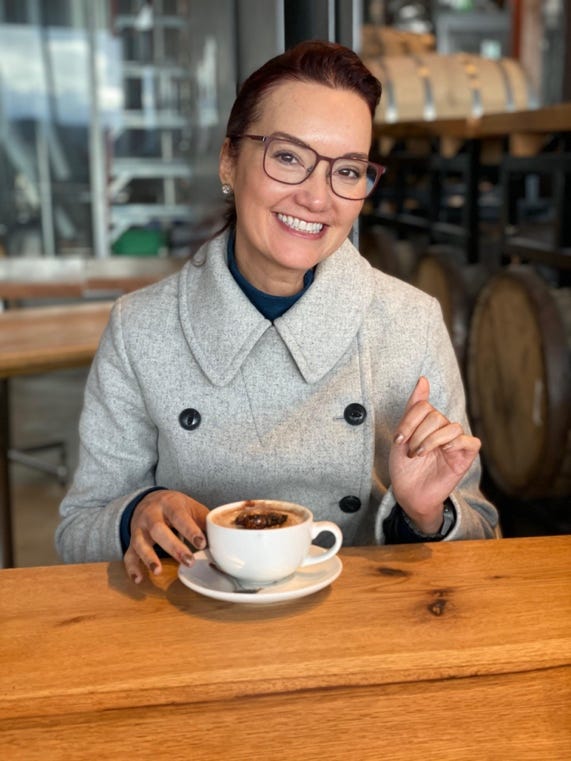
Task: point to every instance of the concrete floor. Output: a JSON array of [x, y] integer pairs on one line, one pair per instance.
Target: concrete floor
[[44, 408]]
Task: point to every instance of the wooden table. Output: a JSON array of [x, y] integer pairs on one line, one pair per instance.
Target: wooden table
[[127, 273], [63, 277], [37, 340], [41, 278], [442, 651]]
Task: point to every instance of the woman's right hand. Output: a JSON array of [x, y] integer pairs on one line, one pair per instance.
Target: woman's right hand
[[156, 520]]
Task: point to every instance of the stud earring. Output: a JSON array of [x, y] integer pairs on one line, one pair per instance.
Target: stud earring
[[226, 189]]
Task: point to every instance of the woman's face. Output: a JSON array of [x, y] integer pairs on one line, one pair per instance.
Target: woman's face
[[273, 247]]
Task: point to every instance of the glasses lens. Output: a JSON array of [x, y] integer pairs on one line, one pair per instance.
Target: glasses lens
[[353, 178], [291, 163], [288, 162]]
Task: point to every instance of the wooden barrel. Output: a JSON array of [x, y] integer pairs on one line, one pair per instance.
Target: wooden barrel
[[519, 383], [384, 251], [441, 272], [460, 85], [389, 41]]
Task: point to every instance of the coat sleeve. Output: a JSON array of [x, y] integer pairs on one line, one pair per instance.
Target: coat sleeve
[[476, 517], [117, 454]]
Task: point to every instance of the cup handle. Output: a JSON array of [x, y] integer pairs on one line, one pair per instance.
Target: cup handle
[[318, 528]]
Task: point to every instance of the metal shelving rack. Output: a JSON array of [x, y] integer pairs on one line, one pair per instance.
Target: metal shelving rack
[[146, 167]]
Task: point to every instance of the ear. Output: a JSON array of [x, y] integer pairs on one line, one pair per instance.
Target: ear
[[226, 164]]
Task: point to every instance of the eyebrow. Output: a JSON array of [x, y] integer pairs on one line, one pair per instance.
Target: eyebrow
[[297, 141]]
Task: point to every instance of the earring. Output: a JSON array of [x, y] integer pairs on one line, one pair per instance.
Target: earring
[[226, 189]]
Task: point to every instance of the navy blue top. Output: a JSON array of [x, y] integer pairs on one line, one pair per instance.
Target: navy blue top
[[270, 306]]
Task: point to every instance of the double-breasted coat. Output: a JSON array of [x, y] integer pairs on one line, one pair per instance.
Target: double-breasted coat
[[194, 390]]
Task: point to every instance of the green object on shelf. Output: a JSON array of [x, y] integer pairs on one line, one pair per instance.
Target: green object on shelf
[[139, 241]]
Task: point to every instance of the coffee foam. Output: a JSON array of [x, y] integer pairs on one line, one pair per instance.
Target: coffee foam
[[229, 517]]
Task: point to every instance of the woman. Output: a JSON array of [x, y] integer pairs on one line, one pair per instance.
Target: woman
[[279, 364]]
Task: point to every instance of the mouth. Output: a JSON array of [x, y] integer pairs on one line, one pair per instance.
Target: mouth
[[300, 225]]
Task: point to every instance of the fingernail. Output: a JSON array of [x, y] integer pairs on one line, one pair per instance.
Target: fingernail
[[187, 560], [419, 452], [199, 541], [399, 438], [135, 578], [448, 446], [154, 567]]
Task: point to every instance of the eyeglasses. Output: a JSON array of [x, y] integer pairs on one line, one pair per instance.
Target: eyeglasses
[[290, 161]]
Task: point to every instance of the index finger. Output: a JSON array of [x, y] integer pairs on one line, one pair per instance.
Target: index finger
[[406, 424], [420, 393], [187, 516]]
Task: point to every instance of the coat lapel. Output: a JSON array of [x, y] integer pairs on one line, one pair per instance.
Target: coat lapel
[[221, 326], [319, 329]]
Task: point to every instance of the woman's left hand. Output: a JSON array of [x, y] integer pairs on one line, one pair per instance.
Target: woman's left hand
[[428, 458]]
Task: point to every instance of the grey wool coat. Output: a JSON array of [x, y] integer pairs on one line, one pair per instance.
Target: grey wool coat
[[271, 399]]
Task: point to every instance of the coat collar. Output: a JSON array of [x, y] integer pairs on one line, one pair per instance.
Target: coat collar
[[221, 326]]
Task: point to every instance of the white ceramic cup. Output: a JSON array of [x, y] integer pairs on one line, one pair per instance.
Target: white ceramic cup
[[266, 555]]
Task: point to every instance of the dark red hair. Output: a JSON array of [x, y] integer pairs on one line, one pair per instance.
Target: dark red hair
[[325, 63]]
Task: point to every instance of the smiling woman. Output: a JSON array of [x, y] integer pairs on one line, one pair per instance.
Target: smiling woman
[[271, 252], [278, 364]]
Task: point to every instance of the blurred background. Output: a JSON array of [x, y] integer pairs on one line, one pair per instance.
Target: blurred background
[[112, 113]]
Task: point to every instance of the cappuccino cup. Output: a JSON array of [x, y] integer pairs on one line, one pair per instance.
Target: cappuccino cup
[[264, 541]]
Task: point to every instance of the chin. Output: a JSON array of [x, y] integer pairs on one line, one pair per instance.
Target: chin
[[300, 263]]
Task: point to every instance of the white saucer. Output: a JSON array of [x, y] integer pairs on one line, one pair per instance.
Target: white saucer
[[206, 580]]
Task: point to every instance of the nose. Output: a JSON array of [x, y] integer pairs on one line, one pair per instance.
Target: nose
[[315, 192]]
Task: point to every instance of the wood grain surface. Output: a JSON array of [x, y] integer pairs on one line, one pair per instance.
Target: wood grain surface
[[445, 651], [41, 277], [519, 382], [128, 273], [40, 339], [65, 277], [541, 121]]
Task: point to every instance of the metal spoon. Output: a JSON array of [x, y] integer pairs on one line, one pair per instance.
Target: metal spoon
[[238, 586]]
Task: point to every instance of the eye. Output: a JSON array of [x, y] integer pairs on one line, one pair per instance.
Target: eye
[[286, 158], [351, 171]]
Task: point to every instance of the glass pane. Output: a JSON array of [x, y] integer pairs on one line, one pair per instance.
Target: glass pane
[[45, 111], [111, 119]]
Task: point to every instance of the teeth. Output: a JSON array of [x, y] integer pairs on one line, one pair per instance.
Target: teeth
[[300, 224]]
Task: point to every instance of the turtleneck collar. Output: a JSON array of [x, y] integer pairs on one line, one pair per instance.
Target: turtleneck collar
[[269, 305]]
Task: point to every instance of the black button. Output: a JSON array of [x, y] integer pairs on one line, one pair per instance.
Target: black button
[[350, 504], [355, 414], [189, 419]]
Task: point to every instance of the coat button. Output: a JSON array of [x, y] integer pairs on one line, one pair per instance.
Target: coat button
[[355, 414], [350, 504], [189, 419]]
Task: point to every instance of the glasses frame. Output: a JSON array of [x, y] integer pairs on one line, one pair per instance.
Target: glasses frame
[[267, 141]]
